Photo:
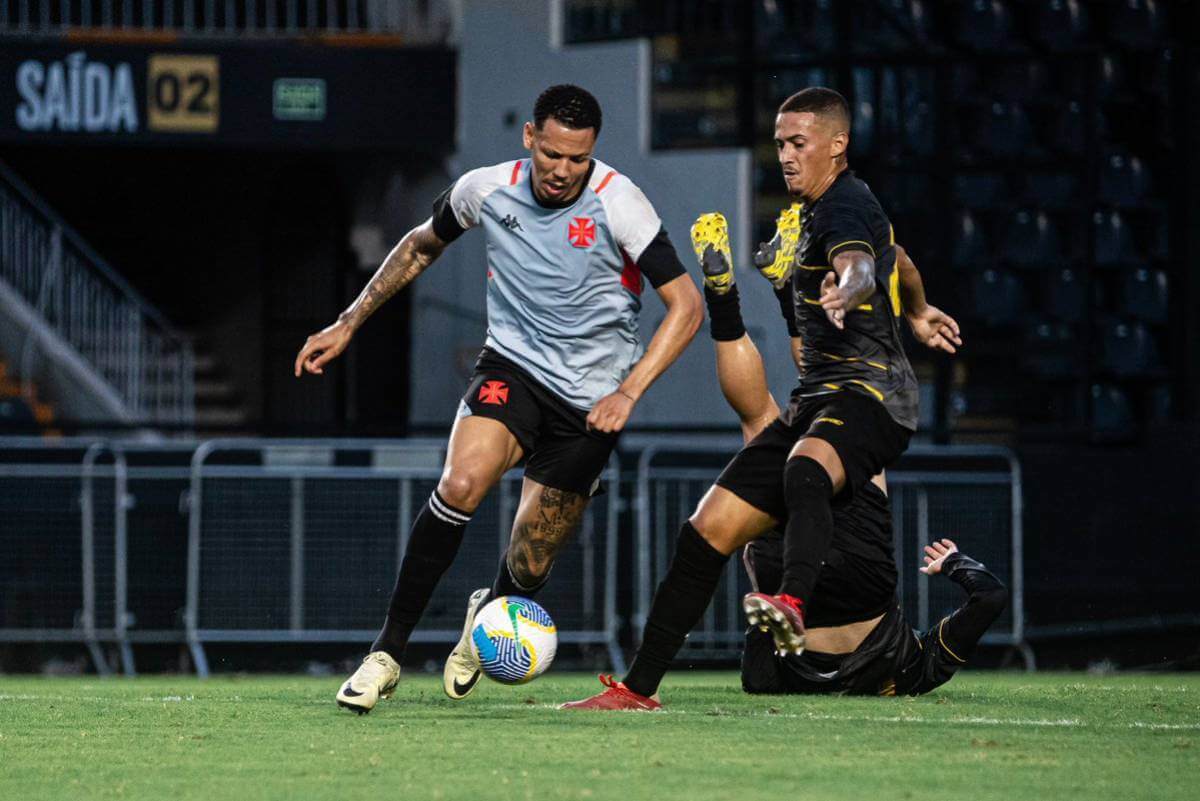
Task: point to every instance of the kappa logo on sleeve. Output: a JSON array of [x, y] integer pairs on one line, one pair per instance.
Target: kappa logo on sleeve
[[582, 232], [494, 392]]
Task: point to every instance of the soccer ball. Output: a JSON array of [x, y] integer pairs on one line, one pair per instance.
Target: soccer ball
[[514, 639]]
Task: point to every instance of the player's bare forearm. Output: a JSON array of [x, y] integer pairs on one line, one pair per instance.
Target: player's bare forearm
[[685, 313], [743, 381], [798, 352], [855, 276], [412, 254], [912, 288], [931, 326]]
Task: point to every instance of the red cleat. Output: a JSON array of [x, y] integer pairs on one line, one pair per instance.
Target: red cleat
[[616, 696], [780, 615]]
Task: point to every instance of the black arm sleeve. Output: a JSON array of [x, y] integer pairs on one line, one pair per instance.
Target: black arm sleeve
[[787, 307], [445, 224], [659, 262]]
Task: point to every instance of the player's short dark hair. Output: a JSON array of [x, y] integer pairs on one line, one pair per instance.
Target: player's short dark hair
[[820, 101], [571, 105]]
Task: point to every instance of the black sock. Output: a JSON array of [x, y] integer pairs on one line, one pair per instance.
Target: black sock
[[724, 314], [507, 584], [809, 532], [681, 599], [432, 545]]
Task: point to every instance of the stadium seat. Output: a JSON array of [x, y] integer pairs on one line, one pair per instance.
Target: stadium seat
[[1113, 242], [981, 190], [1112, 413], [1144, 295], [971, 251], [16, 412], [1160, 406], [1066, 297], [1069, 128], [999, 298], [1136, 23], [1059, 24], [894, 25], [1123, 180], [1053, 350], [1003, 130], [1031, 240], [1057, 190], [983, 25], [1018, 81], [1129, 350]]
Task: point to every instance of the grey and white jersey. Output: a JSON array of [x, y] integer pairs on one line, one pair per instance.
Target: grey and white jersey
[[564, 281]]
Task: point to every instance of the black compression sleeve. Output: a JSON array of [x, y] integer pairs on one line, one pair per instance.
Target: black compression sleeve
[[445, 224], [659, 262]]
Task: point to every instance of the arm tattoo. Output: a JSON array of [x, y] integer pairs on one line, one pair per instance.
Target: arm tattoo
[[536, 542], [416, 251]]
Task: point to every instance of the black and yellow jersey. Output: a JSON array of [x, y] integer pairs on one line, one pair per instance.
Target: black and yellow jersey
[[866, 356]]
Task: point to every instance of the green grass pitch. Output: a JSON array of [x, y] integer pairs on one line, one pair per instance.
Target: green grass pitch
[[983, 736]]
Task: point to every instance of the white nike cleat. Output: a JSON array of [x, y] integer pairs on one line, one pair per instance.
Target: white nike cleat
[[461, 673], [375, 678]]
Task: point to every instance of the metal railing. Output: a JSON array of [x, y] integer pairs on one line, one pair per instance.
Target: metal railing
[[979, 505], [131, 346], [114, 543], [417, 21]]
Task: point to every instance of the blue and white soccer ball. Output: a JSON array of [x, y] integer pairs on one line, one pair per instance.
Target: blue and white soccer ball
[[514, 639]]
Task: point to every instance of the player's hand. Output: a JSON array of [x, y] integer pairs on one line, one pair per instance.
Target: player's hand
[[322, 348], [936, 329], [833, 301], [610, 413], [935, 554], [774, 259]]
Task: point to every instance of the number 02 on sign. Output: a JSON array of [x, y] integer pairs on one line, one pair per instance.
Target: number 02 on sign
[[183, 93]]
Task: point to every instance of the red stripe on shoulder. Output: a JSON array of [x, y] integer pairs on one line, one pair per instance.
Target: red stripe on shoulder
[[516, 174], [631, 276], [604, 183]]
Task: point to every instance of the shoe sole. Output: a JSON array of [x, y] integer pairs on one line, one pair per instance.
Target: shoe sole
[[767, 618], [473, 608]]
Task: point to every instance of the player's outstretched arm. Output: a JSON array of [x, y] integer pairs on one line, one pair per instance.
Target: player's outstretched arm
[[931, 326], [685, 312], [414, 252], [848, 286]]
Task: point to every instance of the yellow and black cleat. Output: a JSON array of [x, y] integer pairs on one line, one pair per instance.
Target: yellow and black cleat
[[774, 259], [710, 240]]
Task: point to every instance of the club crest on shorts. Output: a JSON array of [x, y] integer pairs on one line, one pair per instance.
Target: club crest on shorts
[[582, 232], [494, 392]]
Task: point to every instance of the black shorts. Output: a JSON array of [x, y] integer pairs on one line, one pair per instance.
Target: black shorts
[[560, 451], [859, 428], [858, 577]]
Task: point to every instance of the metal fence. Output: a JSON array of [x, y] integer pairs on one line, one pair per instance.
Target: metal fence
[[418, 21], [147, 362], [115, 543], [970, 494]]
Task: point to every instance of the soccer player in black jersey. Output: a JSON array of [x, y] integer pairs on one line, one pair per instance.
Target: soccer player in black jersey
[[850, 416]]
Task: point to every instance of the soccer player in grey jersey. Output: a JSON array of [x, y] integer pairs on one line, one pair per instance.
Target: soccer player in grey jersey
[[570, 243]]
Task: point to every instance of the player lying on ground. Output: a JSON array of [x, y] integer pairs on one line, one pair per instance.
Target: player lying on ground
[[851, 414], [568, 241]]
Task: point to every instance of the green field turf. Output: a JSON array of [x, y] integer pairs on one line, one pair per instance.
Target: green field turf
[[984, 736]]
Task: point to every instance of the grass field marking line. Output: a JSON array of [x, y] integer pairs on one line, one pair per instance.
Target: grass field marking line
[[1164, 726]]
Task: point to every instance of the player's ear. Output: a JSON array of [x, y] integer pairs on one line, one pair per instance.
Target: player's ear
[[838, 144], [527, 135]]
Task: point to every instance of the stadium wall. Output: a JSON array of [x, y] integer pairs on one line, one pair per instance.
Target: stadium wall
[[507, 55]]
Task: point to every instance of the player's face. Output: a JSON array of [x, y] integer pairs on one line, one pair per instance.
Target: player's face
[[561, 157], [808, 148]]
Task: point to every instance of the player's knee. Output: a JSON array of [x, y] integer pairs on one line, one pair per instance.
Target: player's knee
[[462, 489], [805, 482]]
